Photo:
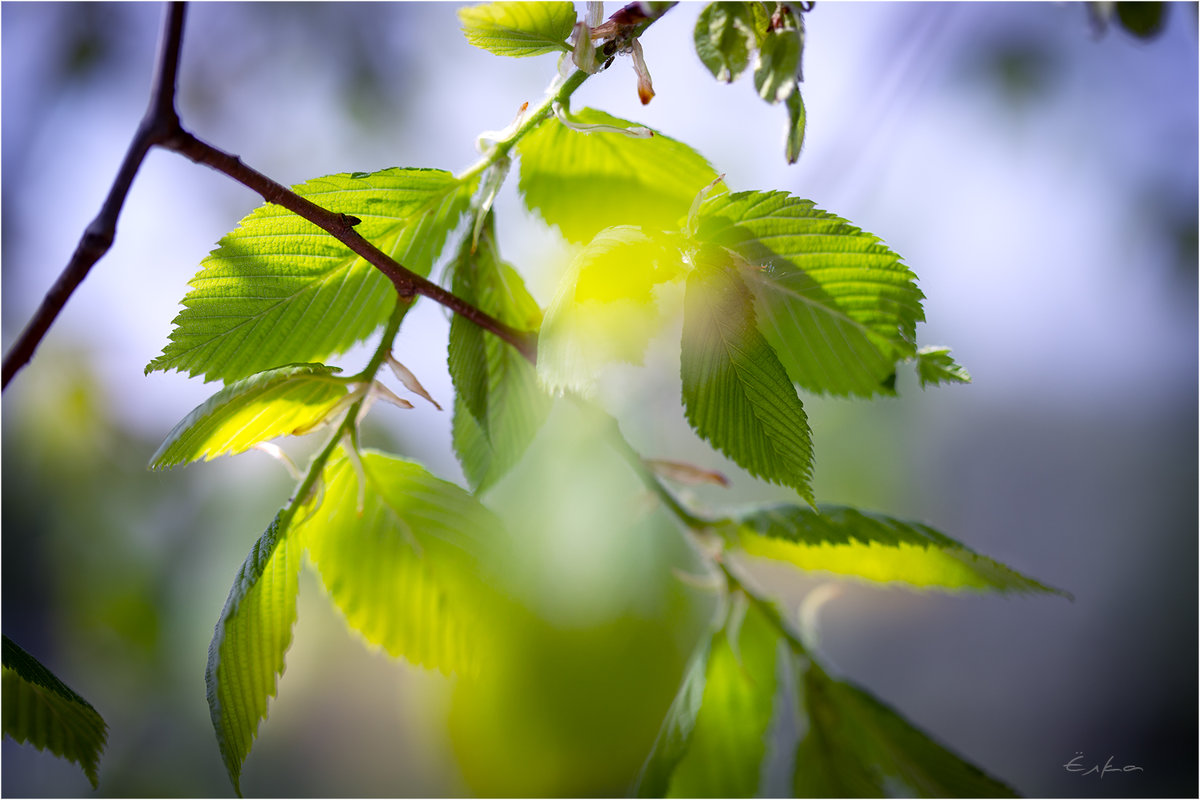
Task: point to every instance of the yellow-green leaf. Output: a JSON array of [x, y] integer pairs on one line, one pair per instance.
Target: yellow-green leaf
[[519, 29], [273, 403]]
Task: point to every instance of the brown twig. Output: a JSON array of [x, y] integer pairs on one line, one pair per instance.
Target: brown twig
[[161, 127]]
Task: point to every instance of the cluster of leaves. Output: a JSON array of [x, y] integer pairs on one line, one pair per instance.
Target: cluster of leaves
[[774, 294]]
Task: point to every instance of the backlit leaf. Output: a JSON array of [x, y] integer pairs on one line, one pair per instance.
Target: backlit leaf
[[839, 307], [735, 392], [399, 556], [41, 710], [498, 404], [714, 739], [518, 29], [776, 73], [935, 365], [855, 746], [725, 37], [586, 182], [255, 409], [874, 548], [607, 307], [280, 290], [246, 656]]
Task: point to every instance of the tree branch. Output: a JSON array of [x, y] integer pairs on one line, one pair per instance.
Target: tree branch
[[159, 124]]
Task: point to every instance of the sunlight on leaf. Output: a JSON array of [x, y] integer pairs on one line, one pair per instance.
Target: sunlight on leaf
[[935, 365], [736, 393], [519, 29], [41, 710], [873, 548], [247, 412], [839, 307], [246, 656], [404, 571], [724, 37], [280, 290], [607, 307], [586, 182]]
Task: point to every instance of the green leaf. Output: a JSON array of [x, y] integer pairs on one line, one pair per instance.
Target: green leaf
[[399, 551], [246, 656], [518, 29], [874, 548], [280, 290], [725, 36], [41, 710], [715, 736], [272, 403], [935, 365], [607, 307], [855, 746], [586, 182], [839, 307], [797, 121], [777, 70], [736, 393], [498, 404]]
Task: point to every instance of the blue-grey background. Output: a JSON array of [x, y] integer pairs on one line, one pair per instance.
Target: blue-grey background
[[1039, 177]]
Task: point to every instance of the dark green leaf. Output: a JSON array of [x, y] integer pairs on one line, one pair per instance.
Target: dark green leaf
[[280, 290], [874, 548], [725, 37], [246, 656], [934, 366], [41, 710], [735, 392], [518, 29], [498, 405], [777, 72], [855, 746], [839, 307]]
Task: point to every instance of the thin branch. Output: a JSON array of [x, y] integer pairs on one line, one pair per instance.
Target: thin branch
[[159, 124]]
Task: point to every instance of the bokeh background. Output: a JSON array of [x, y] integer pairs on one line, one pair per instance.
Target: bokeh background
[[1040, 177]]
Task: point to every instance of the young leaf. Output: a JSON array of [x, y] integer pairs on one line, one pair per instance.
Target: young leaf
[[280, 290], [43, 711], [776, 74], [839, 307], [518, 29], [261, 407], [246, 656], [855, 746], [399, 557], [498, 404], [797, 121], [607, 307], [586, 182], [935, 365], [874, 548], [735, 392], [715, 736], [725, 37]]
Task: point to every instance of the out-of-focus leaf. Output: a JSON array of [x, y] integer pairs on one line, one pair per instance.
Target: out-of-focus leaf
[[777, 71], [935, 365], [255, 409], [279, 290], [607, 307], [725, 37], [874, 548], [399, 553], [797, 121], [519, 29], [41, 710], [586, 182], [736, 393], [246, 656], [498, 404], [855, 746], [839, 307]]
